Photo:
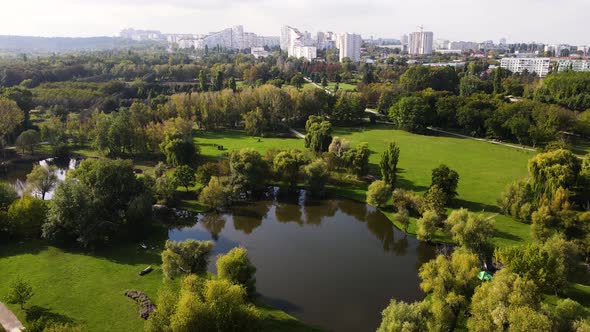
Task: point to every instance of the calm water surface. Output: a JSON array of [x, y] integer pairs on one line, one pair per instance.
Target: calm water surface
[[335, 264]]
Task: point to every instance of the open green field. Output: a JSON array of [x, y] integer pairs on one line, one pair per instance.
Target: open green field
[[342, 86], [88, 289], [484, 169]]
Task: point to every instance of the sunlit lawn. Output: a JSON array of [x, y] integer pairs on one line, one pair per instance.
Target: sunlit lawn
[[484, 169]]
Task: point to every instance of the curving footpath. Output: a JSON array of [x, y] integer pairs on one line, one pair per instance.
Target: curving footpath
[[9, 321]]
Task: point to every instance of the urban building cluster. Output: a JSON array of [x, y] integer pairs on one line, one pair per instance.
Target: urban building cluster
[[234, 37], [302, 44], [536, 58]]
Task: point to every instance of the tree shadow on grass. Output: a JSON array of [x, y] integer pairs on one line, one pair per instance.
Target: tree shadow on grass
[[404, 183], [458, 203], [39, 318], [507, 236], [14, 248]]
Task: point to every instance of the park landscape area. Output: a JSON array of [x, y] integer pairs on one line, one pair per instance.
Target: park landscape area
[[208, 134]]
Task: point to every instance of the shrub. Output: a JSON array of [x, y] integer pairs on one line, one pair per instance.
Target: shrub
[[409, 201], [378, 193], [427, 226], [236, 267]]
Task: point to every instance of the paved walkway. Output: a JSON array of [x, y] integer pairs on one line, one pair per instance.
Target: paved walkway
[[481, 139], [9, 321], [295, 132]]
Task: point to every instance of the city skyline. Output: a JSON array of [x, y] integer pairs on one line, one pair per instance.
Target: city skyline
[[451, 19]]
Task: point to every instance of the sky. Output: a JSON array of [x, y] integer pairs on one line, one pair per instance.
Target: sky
[[549, 21]]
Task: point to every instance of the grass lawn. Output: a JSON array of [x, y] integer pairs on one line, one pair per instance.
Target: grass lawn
[[88, 289], [84, 289], [484, 169], [237, 139], [342, 86]]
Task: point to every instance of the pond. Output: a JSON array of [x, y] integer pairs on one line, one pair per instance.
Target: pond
[[17, 175], [335, 263]]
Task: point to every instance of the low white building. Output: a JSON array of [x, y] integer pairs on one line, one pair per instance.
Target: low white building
[[259, 52], [540, 66]]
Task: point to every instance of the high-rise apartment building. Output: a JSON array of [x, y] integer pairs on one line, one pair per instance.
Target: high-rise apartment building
[[420, 43], [349, 45], [297, 44], [540, 66]]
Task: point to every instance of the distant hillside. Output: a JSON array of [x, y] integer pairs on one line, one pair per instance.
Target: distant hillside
[[21, 44]]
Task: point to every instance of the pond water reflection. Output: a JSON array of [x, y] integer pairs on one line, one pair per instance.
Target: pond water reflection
[[333, 263]]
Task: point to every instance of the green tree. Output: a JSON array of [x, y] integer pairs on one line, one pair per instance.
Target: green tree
[[42, 180], [318, 134], [297, 81], [11, 116], [316, 176], [388, 164], [235, 266], [185, 176], [554, 169], [248, 171], [215, 194], [255, 122], [286, 165], [427, 226], [450, 282], [213, 305], [357, 159], [206, 171], [20, 293], [378, 193], [435, 200], [159, 319], [411, 113], [72, 216], [447, 179], [203, 81], [7, 195], [26, 216], [28, 139], [219, 81], [401, 316], [494, 301], [179, 152], [164, 189], [470, 230], [184, 257], [90, 207], [232, 84]]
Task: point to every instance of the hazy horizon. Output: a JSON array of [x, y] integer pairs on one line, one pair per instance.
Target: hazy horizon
[[522, 21]]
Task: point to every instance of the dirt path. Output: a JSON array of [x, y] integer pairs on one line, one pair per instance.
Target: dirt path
[[9, 321]]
